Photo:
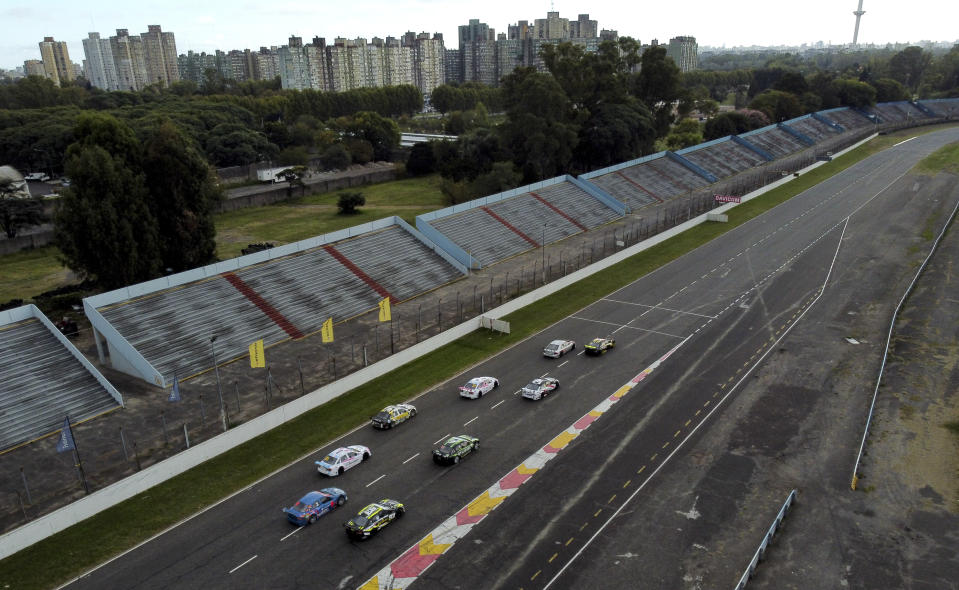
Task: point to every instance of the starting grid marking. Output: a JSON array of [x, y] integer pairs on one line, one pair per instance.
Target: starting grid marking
[[405, 569]]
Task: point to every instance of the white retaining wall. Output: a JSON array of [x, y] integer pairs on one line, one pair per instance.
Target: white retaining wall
[[125, 489]]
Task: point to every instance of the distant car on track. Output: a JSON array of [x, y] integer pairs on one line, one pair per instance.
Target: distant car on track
[[540, 388], [390, 416], [314, 505], [454, 449], [477, 387], [558, 348], [373, 518], [600, 345], [342, 459]]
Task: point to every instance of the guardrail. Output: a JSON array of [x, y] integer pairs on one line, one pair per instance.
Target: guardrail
[[761, 552], [885, 353]]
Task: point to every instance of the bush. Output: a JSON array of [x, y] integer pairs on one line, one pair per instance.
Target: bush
[[348, 203]]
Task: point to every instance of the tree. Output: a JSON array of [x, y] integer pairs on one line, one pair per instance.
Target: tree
[[349, 202], [777, 105], [889, 90], [17, 211], [615, 133], [908, 66], [422, 159], [104, 227], [658, 86], [294, 178], [183, 195], [854, 93], [336, 157]]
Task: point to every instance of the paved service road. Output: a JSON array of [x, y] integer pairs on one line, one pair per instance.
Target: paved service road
[[731, 302]]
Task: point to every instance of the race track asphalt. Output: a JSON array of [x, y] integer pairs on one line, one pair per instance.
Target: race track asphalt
[[731, 303]]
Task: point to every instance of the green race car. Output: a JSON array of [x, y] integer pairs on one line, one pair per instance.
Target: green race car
[[454, 449], [600, 345], [373, 518]]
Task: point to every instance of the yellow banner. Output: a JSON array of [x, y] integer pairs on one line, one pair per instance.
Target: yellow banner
[[385, 310], [327, 331], [257, 358]]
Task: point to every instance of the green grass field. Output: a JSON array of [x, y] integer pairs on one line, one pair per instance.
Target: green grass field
[[70, 553]]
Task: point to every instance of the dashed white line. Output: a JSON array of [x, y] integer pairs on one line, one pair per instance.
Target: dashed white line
[[242, 564], [408, 460], [295, 531], [379, 478], [493, 407], [441, 439], [544, 374], [580, 353], [561, 364], [471, 421]]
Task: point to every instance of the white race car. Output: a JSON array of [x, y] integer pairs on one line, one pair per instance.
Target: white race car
[[558, 348], [540, 388], [342, 459], [477, 387]]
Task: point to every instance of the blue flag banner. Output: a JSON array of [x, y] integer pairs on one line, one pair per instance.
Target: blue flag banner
[[175, 390], [66, 442]]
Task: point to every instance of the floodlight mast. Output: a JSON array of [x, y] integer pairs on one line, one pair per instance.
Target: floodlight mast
[[858, 13]]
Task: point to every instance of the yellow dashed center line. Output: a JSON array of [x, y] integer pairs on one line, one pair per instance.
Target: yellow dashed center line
[[585, 524], [677, 432], [568, 542], [641, 469], [597, 513], [716, 394], [688, 422], [706, 404], [628, 481], [653, 458], [666, 445], [534, 575], [698, 412], [555, 555], [611, 498]]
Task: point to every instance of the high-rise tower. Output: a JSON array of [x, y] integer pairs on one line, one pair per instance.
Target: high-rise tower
[[858, 13]]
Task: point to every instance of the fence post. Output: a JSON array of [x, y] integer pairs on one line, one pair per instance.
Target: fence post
[[186, 436]]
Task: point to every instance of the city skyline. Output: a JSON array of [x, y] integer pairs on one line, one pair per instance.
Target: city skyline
[[249, 25]]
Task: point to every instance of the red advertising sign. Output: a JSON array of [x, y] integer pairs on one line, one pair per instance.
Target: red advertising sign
[[727, 199]]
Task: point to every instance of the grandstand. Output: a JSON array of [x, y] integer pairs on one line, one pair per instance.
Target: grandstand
[[494, 228], [897, 112], [847, 118], [942, 107], [45, 378], [774, 140], [722, 157], [162, 329], [812, 128], [645, 181]]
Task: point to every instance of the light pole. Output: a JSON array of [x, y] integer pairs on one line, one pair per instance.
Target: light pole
[[216, 369], [544, 252]]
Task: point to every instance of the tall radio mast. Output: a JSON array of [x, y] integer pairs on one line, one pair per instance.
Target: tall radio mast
[[858, 13]]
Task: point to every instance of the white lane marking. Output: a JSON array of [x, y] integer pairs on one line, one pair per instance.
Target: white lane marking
[[544, 374], [496, 404], [904, 141], [651, 307], [441, 439], [242, 564], [580, 353], [471, 421], [295, 531], [720, 403], [517, 391], [410, 459], [630, 327], [376, 480], [561, 364]]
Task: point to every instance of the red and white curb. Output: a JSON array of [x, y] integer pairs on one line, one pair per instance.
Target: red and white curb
[[405, 569]]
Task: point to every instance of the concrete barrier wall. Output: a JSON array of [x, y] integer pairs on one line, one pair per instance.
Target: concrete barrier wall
[[104, 499], [36, 240]]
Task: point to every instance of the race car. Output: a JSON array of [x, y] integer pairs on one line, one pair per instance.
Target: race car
[[390, 416], [558, 348], [477, 387], [540, 388], [314, 505], [373, 518], [342, 459], [454, 449], [600, 345]]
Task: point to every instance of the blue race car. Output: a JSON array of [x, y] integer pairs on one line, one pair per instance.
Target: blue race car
[[314, 505]]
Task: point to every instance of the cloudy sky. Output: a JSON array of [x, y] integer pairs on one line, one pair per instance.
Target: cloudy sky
[[206, 25]]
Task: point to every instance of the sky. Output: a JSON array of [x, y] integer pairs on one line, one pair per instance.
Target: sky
[[206, 25]]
